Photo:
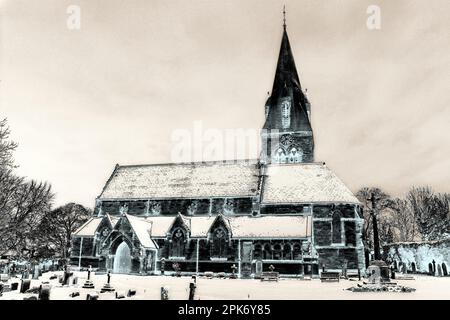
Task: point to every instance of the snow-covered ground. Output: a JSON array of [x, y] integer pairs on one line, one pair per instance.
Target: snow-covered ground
[[149, 287]]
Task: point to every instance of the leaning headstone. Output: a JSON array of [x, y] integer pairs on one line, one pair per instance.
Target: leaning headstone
[[75, 280], [120, 295], [131, 293], [92, 296], [25, 285], [192, 287]]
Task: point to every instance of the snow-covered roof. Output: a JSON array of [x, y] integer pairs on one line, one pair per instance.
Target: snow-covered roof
[[160, 225], [89, 228], [142, 229], [270, 226], [201, 225], [183, 180], [303, 183]]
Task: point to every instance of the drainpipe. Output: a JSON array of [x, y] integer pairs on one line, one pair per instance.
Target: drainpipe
[[81, 249], [196, 261], [239, 258]]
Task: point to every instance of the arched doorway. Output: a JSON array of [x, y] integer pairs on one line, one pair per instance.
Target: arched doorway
[[444, 269], [122, 259]]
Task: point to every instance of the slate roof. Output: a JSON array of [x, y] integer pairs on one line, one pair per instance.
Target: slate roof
[[142, 229], [304, 183], [89, 227], [147, 228], [270, 226], [183, 180], [282, 183]]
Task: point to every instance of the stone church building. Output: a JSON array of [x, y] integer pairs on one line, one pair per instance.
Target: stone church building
[[283, 209]]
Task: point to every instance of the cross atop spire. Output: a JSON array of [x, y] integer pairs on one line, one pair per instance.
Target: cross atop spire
[[284, 17]]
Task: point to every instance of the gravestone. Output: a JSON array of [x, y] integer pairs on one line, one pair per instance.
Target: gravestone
[[120, 295], [88, 284], [439, 270], [25, 285], [14, 286], [107, 286], [92, 296], [131, 293], [192, 287], [164, 293], [44, 291], [374, 275]]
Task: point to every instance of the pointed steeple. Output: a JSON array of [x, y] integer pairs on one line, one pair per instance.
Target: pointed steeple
[[287, 134], [286, 86]]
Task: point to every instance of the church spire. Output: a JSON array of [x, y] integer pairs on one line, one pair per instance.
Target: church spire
[[288, 134], [286, 85]]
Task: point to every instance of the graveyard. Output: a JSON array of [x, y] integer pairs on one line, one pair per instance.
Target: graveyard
[[135, 287]]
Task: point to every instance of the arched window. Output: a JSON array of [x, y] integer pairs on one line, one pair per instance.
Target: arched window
[[279, 156], [257, 251], [277, 251], [177, 245], [287, 252], [336, 228], [297, 251], [219, 243], [295, 155], [267, 253]]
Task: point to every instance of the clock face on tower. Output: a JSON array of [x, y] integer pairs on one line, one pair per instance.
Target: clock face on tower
[[105, 232]]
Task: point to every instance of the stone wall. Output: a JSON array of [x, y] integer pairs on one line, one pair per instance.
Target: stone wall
[[418, 257]]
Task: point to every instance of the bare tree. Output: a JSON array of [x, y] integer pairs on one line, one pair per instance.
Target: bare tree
[[59, 224], [22, 203], [402, 220], [430, 211], [7, 147]]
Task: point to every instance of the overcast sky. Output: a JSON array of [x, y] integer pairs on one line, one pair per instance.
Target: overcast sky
[[114, 91]]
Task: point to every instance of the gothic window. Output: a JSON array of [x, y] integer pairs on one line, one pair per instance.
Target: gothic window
[[295, 155], [297, 251], [287, 252], [277, 252], [177, 245], [336, 228], [280, 156], [219, 243], [257, 251], [285, 114], [267, 253]]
